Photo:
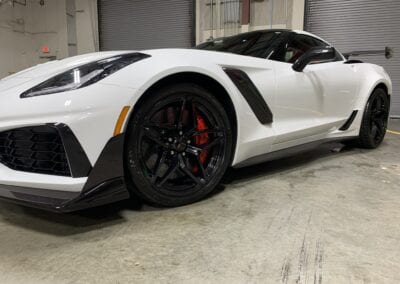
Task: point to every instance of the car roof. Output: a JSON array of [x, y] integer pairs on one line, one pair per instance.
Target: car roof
[[283, 31]]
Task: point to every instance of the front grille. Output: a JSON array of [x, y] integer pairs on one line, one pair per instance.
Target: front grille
[[37, 149]]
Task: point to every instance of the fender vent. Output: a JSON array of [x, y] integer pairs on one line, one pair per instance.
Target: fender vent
[[349, 121], [37, 149], [251, 94]]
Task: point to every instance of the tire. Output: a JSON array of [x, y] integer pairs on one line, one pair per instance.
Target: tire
[[178, 146], [375, 120]]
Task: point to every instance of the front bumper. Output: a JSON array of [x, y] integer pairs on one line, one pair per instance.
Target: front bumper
[[104, 184], [89, 113]]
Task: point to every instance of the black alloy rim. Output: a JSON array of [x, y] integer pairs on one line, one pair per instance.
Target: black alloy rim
[[181, 145], [379, 117]]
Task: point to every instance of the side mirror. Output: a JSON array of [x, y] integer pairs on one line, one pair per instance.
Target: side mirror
[[318, 53]]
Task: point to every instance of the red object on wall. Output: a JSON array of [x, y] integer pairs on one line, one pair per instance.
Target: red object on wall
[[45, 49], [245, 12]]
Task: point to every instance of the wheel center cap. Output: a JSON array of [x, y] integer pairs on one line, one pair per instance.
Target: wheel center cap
[[180, 147]]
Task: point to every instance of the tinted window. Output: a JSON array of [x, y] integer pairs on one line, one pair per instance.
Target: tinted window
[[256, 44], [338, 57], [299, 45]]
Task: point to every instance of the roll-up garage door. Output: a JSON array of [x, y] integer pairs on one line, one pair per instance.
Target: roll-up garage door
[[145, 24], [354, 25]]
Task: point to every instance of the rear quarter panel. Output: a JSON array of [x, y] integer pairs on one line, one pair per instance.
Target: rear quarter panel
[[370, 76]]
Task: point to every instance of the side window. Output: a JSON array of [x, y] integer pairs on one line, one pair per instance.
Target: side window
[[264, 45], [297, 47], [338, 57], [239, 44]]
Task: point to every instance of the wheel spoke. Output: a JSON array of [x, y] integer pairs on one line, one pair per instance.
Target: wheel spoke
[[201, 167], [209, 131], [196, 150], [160, 126], [181, 115], [189, 133], [377, 130], [374, 130], [378, 104], [172, 168], [378, 119], [193, 150], [380, 127], [194, 116], [153, 135], [157, 168], [374, 114], [185, 169], [215, 142]]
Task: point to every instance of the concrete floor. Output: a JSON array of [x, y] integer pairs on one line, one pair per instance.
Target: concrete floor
[[322, 216]]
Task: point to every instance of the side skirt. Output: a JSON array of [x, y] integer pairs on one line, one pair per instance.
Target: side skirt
[[288, 152]]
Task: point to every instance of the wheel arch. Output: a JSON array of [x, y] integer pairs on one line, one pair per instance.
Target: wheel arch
[[378, 85], [370, 82], [383, 86], [366, 91], [202, 80]]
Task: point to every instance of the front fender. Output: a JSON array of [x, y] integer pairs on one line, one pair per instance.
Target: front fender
[[144, 74]]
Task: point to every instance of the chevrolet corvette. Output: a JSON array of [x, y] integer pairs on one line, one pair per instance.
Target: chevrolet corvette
[[165, 125]]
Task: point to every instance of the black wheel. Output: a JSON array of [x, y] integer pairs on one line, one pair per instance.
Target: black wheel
[[178, 146], [375, 120]]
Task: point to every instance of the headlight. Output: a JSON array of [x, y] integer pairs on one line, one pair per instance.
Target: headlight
[[83, 75]]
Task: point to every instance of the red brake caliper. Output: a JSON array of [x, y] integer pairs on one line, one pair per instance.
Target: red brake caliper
[[201, 139]]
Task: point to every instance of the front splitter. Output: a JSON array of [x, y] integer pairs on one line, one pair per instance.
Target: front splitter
[[60, 201]]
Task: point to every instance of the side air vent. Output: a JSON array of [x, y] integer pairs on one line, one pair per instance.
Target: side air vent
[[251, 94], [349, 121]]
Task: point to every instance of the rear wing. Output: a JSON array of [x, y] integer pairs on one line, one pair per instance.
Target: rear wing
[[388, 52]]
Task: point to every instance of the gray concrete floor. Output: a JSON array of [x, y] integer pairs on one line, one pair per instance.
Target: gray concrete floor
[[321, 216]]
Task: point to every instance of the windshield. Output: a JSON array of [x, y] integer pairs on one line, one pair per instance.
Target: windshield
[[256, 44]]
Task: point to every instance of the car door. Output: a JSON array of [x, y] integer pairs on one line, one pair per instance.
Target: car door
[[310, 104]]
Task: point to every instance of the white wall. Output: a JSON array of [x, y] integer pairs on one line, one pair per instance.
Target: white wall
[[87, 26], [49, 27], [24, 30], [298, 14], [15, 42]]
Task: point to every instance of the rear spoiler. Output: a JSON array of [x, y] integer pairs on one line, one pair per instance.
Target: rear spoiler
[[388, 52]]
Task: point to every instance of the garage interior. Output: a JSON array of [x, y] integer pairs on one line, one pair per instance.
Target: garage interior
[[329, 215]]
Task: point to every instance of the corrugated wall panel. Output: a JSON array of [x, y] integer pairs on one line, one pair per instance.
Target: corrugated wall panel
[[139, 24], [361, 25]]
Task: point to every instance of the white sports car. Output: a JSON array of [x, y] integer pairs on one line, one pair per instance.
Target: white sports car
[[164, 125]]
